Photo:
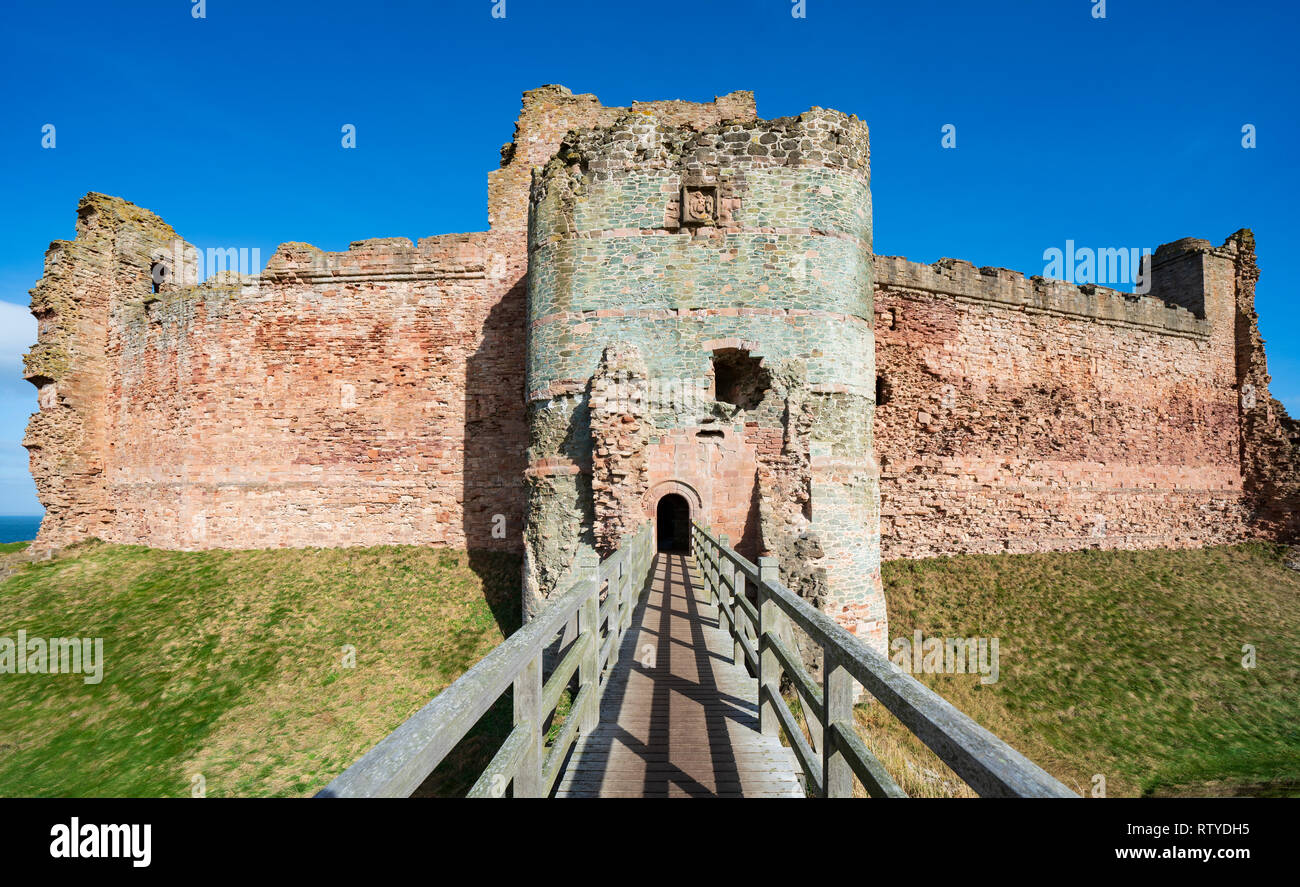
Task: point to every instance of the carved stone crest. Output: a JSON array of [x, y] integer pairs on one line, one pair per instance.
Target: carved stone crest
[[699, 205]]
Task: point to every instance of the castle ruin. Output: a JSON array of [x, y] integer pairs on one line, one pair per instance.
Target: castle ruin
[[676, 312]]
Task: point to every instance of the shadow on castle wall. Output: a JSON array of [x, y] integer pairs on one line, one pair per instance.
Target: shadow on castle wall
[[494, 459]]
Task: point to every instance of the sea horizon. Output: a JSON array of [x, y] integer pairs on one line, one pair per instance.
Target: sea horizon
[[19, 527]]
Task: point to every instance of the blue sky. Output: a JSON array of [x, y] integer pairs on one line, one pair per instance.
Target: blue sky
[[1115, 132]]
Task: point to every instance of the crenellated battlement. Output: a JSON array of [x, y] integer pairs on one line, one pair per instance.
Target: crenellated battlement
[[1013, 290], [641, 139], [448, 256]]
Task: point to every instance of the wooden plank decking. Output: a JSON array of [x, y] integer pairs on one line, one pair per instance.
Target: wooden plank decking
[[678, 718]]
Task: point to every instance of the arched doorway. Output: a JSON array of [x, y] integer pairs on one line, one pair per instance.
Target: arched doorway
[[673, 524]]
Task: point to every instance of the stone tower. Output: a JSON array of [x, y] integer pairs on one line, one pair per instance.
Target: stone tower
[[700, 326]]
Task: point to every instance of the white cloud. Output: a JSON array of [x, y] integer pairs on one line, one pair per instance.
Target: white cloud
[[17, 335]]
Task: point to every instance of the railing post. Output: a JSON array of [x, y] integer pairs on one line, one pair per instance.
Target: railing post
[[737, 590], [738, 648], [769, 683], [619, 615], [724, 591], [702, 555], [705, 560], [528, 711], [637, 578], [589, 632], [715, 565], [715, 553], [644, 560], [837, 696]]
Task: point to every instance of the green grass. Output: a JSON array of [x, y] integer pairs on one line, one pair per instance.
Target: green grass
[[229, 663], [1125, 664]]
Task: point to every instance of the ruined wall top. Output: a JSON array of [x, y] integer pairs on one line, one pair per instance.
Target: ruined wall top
[[441, 257], [1012, 289], [104, 212], [550, 112], [643, 140]]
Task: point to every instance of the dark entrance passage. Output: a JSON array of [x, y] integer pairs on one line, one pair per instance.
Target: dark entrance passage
[[673, 523]]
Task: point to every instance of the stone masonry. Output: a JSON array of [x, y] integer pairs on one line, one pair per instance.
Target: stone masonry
[[734, 260], [672, 298]]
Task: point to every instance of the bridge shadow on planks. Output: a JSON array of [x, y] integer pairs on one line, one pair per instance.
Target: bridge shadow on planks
[[678, 718]]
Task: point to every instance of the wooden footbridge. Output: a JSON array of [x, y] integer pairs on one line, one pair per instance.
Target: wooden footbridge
[[673, 664], [679, 717]]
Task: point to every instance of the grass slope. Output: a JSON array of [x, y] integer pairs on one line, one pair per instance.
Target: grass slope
[[229, 663], [1125, 664]]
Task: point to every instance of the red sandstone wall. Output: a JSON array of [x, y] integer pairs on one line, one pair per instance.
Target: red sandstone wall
[[358, 398], [1270, 438], [69, 439], [1029, 415]]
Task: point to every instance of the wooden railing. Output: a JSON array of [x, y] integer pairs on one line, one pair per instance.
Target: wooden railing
[[760, 613], [588, 620]]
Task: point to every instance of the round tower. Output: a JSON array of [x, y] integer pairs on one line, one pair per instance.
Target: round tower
[[700, 344]]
